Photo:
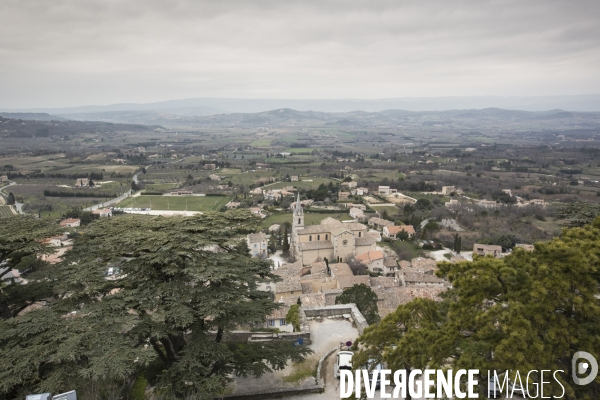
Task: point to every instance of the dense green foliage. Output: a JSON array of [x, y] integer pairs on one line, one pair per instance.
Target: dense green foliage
[[293, 316], [181, 285], [578, 213], [527, 311], [365, 300], [20, 241]]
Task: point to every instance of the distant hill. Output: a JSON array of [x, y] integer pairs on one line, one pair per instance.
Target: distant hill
[[32, 116], [23, 128], [213, 106], [390, 118]]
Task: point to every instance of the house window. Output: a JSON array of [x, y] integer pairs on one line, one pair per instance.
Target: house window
[[255, 245], [359, 233], [318, 237], [282, 322], [298, 221], [271, 322], [310, 238], [326, 237]]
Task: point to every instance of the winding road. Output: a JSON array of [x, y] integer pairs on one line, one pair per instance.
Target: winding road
[[18, 206]]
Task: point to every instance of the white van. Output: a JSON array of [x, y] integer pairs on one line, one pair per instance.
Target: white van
[[343, 360]]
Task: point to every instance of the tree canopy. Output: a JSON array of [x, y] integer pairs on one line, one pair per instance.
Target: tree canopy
[[527, 311], [365, 300], [20, 242], [134, 292]]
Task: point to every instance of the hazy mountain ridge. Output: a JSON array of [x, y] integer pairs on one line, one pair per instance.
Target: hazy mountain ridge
[[211, 106], [32, 116], [27, 128], [388, 118]]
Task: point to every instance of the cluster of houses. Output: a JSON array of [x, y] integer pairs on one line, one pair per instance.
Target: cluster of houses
[[495, 250], [319, 284]]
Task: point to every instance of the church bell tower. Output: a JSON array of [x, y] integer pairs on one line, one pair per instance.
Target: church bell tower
[[298, 215], [297, 224]]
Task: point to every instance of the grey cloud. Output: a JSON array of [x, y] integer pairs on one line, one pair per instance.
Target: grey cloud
[[70, 52]]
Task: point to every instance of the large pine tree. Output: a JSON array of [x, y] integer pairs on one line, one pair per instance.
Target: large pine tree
[[527, 311], [181, 285]]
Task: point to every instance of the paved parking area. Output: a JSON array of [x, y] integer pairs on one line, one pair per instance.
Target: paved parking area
[[325, 335]]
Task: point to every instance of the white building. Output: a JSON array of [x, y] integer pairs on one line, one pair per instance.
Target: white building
[[257, 243]]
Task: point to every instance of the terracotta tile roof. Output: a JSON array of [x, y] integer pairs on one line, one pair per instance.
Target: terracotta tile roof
[[314, 229], [257, 237], [419, 277], [390, 262], [374, 234], [382, 281], [370, 256], [318, 267], [354, 226], [380, 221], [284, 287], [340, 269], [339, 231], [365, 241], [345, 282], [394, 230], [331, 222], [424, 264], [321, 244]]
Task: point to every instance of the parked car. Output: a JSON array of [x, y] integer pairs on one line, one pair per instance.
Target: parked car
[[343, 360], [493, 389]]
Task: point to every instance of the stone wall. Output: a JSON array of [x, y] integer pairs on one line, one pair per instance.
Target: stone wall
[[336, 311], [243, 336]]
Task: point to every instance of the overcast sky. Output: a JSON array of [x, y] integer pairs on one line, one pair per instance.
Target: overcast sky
[[58, 53]]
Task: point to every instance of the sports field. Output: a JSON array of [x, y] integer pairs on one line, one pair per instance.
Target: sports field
[[179, 203]]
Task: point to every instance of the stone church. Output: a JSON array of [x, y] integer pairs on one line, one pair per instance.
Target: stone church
[[337, 241]]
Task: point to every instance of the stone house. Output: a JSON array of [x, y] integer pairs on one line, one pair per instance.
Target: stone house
[[487, 250], [102, 212], [356, 213], [71, 222], [257, 243], [379, 223], [391, 232], [373, 260]]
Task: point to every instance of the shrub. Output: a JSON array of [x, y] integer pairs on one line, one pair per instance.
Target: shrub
[[138, 391]]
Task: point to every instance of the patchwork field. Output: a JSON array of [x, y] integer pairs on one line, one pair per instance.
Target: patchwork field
[[177, 203]]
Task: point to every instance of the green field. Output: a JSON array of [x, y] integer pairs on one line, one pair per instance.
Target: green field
[[178, 203], [302, 184], [160, 186], [391, 210]]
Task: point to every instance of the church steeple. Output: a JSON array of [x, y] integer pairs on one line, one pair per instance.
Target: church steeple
[[298, 209], [298, 214]]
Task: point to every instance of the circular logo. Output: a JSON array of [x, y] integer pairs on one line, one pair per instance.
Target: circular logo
[[580, 368]]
